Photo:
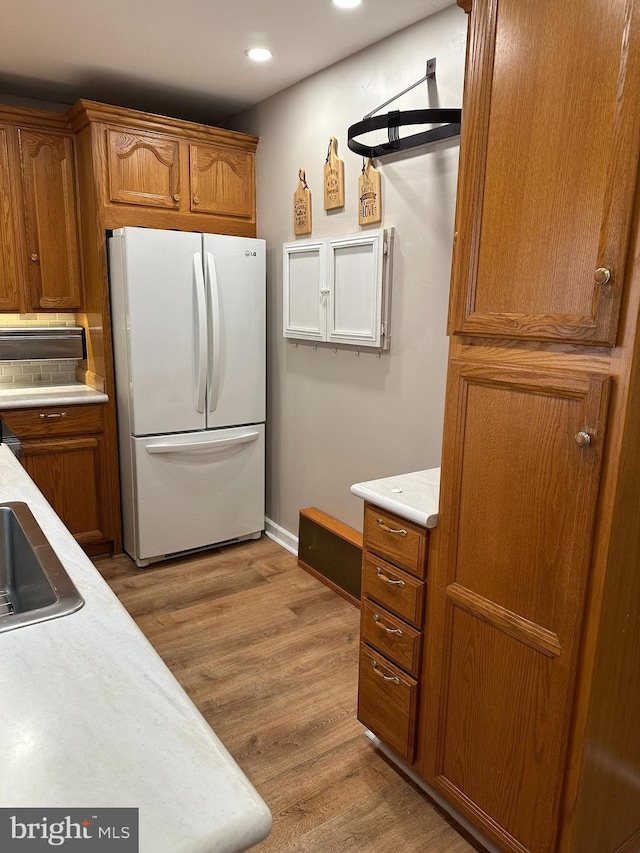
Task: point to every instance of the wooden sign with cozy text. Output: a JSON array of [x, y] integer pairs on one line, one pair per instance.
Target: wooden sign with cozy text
[[302, 206], [333, 178], [369, 196]]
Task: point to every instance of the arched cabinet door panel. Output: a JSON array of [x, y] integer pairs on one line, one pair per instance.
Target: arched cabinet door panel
[[520, 475], [547, 180], [222, 181], [10, 276], [144, 168]]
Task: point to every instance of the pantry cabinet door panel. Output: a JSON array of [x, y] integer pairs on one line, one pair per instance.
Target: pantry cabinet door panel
[[53, 254], [521, 469], [545, 191], [143, 169], [10, 275]]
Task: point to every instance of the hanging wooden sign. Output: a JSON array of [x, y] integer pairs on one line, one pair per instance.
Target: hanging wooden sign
[[333, 178], [369, 196], [302, 206]]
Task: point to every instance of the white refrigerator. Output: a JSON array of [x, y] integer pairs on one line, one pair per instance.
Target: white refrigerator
[[189, 328]]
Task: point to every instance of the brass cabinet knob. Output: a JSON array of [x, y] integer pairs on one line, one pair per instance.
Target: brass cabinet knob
[[176, 196], [583, 439], [196, 200], [34, 257], [602, 275]]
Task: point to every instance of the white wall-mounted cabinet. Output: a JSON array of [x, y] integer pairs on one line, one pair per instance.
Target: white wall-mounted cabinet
[[337, 289]]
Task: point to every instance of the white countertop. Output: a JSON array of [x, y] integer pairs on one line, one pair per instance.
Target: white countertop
[[92, 717], [75, 393], [413, 496]]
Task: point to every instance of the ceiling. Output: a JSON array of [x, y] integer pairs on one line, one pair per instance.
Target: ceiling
[[186, 57]]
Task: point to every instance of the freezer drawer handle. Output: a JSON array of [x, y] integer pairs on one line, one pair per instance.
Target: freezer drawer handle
[[213, 445]]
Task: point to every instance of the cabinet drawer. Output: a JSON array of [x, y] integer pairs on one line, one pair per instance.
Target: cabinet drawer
[[396, 590], [54, 420], [388, 702], [390, 636], [398, 540]]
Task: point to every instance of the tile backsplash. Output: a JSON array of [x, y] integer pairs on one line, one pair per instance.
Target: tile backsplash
[[47, 371], [38, 320]]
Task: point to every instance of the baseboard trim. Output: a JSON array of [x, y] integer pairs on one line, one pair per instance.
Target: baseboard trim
[[408, 771], [281, 536]]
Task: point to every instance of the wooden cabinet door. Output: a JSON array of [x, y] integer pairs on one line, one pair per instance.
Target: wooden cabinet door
[[546, 181], [222, 181], [10, 272], [506, 595], [68, 472], [144, 168], [53, 254]]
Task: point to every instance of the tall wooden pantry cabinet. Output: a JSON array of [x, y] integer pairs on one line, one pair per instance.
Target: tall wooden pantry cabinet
[[530, 717]]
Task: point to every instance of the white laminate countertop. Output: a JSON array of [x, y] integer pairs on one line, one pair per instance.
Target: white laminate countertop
[[72, 394], [413, 496], [92, 717]]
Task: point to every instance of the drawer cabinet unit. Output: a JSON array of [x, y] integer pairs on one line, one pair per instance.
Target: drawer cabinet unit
[[64, 453], [394, 563]]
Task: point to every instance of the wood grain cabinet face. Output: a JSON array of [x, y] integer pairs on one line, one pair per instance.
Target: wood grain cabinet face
[[222, 181], [10, 275], [51, 221], [545, 201], [143, 168], [517, 515], [64, 454]]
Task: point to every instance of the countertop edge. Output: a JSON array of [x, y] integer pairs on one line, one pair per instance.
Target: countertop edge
[[416, 499]]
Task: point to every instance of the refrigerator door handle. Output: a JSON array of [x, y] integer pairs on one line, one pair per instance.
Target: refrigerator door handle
[[214, 327], [200, 332], [211, 445]]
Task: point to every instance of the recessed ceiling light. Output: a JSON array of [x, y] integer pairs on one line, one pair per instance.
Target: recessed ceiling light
[[259, 54], [346, 4]]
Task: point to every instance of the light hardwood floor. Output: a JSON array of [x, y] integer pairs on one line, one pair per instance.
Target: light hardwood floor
[[270, 655]]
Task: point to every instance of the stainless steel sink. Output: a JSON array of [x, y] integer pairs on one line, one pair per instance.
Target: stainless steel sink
[[33, 583]]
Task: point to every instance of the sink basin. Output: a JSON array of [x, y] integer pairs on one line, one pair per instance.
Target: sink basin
[[33, 583]]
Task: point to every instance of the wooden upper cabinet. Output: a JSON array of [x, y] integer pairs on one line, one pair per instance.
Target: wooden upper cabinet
[[144, 168], [10, 274], [549, 145], [222, 181], [521, 470], [50, 215]]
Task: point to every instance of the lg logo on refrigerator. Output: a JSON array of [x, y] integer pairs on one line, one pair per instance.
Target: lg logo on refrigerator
[[249, 254]]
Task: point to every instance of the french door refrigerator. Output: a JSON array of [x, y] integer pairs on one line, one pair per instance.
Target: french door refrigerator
[[189, 331]]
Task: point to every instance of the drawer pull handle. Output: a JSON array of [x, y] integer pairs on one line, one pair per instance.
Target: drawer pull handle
[[385, 579], [383, 526], [53, 415], [393, 678], [376, 619]]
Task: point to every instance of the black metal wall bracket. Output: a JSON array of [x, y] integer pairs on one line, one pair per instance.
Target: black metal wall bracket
[[448, 122]]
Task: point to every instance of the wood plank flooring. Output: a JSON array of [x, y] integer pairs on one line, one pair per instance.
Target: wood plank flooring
[[270, 656]]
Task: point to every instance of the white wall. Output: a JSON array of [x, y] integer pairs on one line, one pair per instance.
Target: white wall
[[336, 418]]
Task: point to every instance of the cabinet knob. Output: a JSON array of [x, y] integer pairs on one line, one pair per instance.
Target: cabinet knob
[[196, 200], [583, 439], [176, 196], [602, 276], [34, 257]]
